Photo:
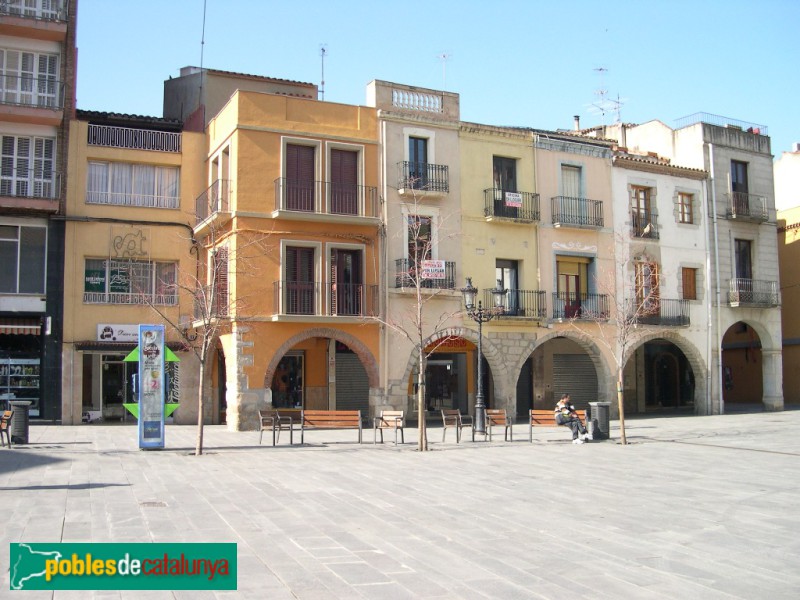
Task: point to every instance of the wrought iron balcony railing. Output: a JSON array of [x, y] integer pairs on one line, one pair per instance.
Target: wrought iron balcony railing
[[753, 292], [27, 90], [29, 183], [644, 225], [296, 297], [518, 206], [326, 197], [425, 177], [45, 10], [572, 305], [407, 274], [660, 311], [134, 139], [520, 303], [578, 212], [166, 299], [746, 206], [352, 300], [215, 199]]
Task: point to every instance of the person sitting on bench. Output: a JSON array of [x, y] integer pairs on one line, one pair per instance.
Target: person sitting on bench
[[565, 415]]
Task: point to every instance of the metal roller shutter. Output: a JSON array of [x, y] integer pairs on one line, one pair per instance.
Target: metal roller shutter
[[574, 374], [352, 385]]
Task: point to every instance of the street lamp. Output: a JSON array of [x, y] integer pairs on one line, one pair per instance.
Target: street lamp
[[481, 315]]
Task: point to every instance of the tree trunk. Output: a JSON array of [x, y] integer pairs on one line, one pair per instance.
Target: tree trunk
[[200, 407], [421, 409], [621, 405]]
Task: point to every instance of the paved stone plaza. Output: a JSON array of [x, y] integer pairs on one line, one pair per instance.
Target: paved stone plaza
[[694, 507]]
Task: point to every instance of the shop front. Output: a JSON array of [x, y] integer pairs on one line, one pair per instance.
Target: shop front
[[20, 362]]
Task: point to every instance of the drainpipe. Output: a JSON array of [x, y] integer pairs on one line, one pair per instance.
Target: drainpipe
[[709, 308], [711, 183], [385, 261]]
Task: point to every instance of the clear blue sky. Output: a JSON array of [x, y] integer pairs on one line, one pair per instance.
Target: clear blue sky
[[528, 63]]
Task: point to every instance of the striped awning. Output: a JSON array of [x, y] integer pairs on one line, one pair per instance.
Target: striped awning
[[12, 326]]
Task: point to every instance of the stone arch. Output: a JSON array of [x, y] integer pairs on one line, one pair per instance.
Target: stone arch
[[763, 333], [602, 366], [490, 351], [356, 345]]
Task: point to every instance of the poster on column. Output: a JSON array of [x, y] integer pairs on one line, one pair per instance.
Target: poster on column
[[151, 388]]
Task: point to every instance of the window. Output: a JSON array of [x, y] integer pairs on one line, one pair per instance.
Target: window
[[686, 208], [507, 274], [26, 167], [571, 286], [744, 265], [299, 285], [418, 162], [28, 78], [647, 287], [129, 282], [23, 255], [125, 184], [642, 218], [300, 169], [344, 182], [739, 177], [571, 181], [219, 282], [689, 281], [347, 285], [505, 181]]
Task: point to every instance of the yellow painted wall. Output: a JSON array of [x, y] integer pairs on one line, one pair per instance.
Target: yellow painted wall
[[789, 260]]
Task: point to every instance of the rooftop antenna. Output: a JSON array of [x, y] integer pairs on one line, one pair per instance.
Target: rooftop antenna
[[202, 48], [443, 57], [604, 104], [323, 50]]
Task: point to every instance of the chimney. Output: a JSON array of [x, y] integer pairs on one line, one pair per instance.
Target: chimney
[[796, 147], [577, 120], [623, 138]]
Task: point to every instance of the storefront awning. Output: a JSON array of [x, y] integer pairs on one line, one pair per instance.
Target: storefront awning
[[121, 347], [12, 326]]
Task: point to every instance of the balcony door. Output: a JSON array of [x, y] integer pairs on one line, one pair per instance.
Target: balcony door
[[347, 286], [344, 182], [505, 180], [299, 178], [744, 262], [299, 283], [507, 273], [647, 288], [573, 206], [740, 188], [418, 162], [571, 284], [640, 211]]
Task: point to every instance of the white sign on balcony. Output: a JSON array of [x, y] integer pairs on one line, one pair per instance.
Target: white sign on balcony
[[433, 269], [514, 199]]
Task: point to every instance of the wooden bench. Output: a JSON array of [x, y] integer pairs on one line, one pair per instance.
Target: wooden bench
[[330, 419], [454, 418], [272, 420], [389, 419], [497, 417], [547, 418]]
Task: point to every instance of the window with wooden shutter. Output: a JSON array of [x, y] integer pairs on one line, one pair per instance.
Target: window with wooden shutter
[[647, 288], [689, 283], [300, 177], [344, 182], [299, 283], [686, 208], [219, 276]]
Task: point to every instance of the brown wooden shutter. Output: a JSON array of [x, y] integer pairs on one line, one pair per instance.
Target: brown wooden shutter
[[220, 275], [689, 277], [344, 182], [299, 177]]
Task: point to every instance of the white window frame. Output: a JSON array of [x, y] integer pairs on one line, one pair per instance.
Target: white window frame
[[131, 297], [132, 198], [46, 182]]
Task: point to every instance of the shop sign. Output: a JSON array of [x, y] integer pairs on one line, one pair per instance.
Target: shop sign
[[151, 386], [110, 332], [433, 269]]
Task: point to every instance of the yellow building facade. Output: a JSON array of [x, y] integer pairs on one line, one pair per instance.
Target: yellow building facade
[[289, 227]]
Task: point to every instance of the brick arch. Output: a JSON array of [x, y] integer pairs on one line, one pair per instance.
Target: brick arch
[[352, 342], [491, 352]]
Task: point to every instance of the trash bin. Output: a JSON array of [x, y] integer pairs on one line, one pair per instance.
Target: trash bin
[[20, 421], [600, 419]]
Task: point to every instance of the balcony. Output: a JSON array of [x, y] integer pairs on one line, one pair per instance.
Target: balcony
[[423, 178], [212, 201], [753, 292], [572, 305], [37, 92], [514, 206], [31, 189], [434, 274], [747, 207], [111, 136], [576, 212], [344, 299], [530, 304], [644, 225], [352, 300], [662, 311], [44, 10], [326, 198]]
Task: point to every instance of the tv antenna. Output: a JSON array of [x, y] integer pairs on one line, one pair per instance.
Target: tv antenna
[[604, 104], [444, 56], [323, 50]]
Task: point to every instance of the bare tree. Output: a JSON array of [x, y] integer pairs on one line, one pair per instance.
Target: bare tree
[[628, 309], [427, 278]]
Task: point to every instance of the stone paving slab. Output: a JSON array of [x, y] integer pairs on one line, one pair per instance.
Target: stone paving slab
[[693, 507]]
